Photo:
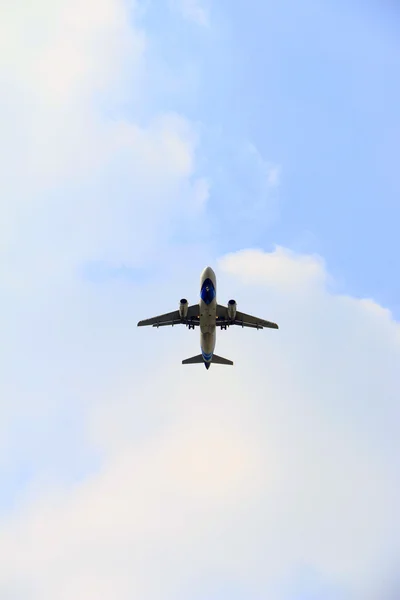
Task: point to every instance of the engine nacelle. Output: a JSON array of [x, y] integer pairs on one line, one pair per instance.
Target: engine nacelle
[[232, 309], [183, 308]]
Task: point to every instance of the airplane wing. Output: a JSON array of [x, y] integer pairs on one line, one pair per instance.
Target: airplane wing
[[242, 319], [173, 318]]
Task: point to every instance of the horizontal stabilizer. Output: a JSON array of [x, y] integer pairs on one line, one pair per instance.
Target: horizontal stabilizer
[[199, 359], [195, 359], [221, 361]]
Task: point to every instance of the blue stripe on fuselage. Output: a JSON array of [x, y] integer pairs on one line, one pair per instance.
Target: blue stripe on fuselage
[[207, 356]]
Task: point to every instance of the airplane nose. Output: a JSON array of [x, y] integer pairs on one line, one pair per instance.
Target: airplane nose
[[208, 273]]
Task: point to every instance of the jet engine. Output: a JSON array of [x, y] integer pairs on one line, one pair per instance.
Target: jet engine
[[183, 308], [232, 309]]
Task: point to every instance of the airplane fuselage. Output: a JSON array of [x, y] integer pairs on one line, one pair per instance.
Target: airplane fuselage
[[208, 314]]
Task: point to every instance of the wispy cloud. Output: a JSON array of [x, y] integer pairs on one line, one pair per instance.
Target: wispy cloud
[[192, 10], [272, 171], [274, 176]]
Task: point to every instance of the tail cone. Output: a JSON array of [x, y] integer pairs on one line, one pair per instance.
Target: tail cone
[[207, 365]]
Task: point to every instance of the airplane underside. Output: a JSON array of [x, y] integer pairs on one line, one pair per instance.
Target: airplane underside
[[208, 316]]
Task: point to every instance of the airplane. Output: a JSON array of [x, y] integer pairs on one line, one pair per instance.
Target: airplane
[[208, 315]]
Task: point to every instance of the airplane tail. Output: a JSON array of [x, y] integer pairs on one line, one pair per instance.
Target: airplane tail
[[195, 359], [219, 360]]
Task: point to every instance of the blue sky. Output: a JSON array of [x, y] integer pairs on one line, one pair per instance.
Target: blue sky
[[140, 142], [314, 88]]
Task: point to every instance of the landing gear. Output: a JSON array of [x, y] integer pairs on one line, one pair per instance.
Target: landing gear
[[190, 326], [224, 327]]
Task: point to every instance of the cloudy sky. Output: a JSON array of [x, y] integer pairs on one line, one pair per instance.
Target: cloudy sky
[[141, 141]]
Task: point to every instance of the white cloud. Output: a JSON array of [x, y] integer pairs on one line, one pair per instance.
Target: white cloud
[[59, 53], [281, 267], [79, 182], [288, 459], [65, 155], [54, 60]]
